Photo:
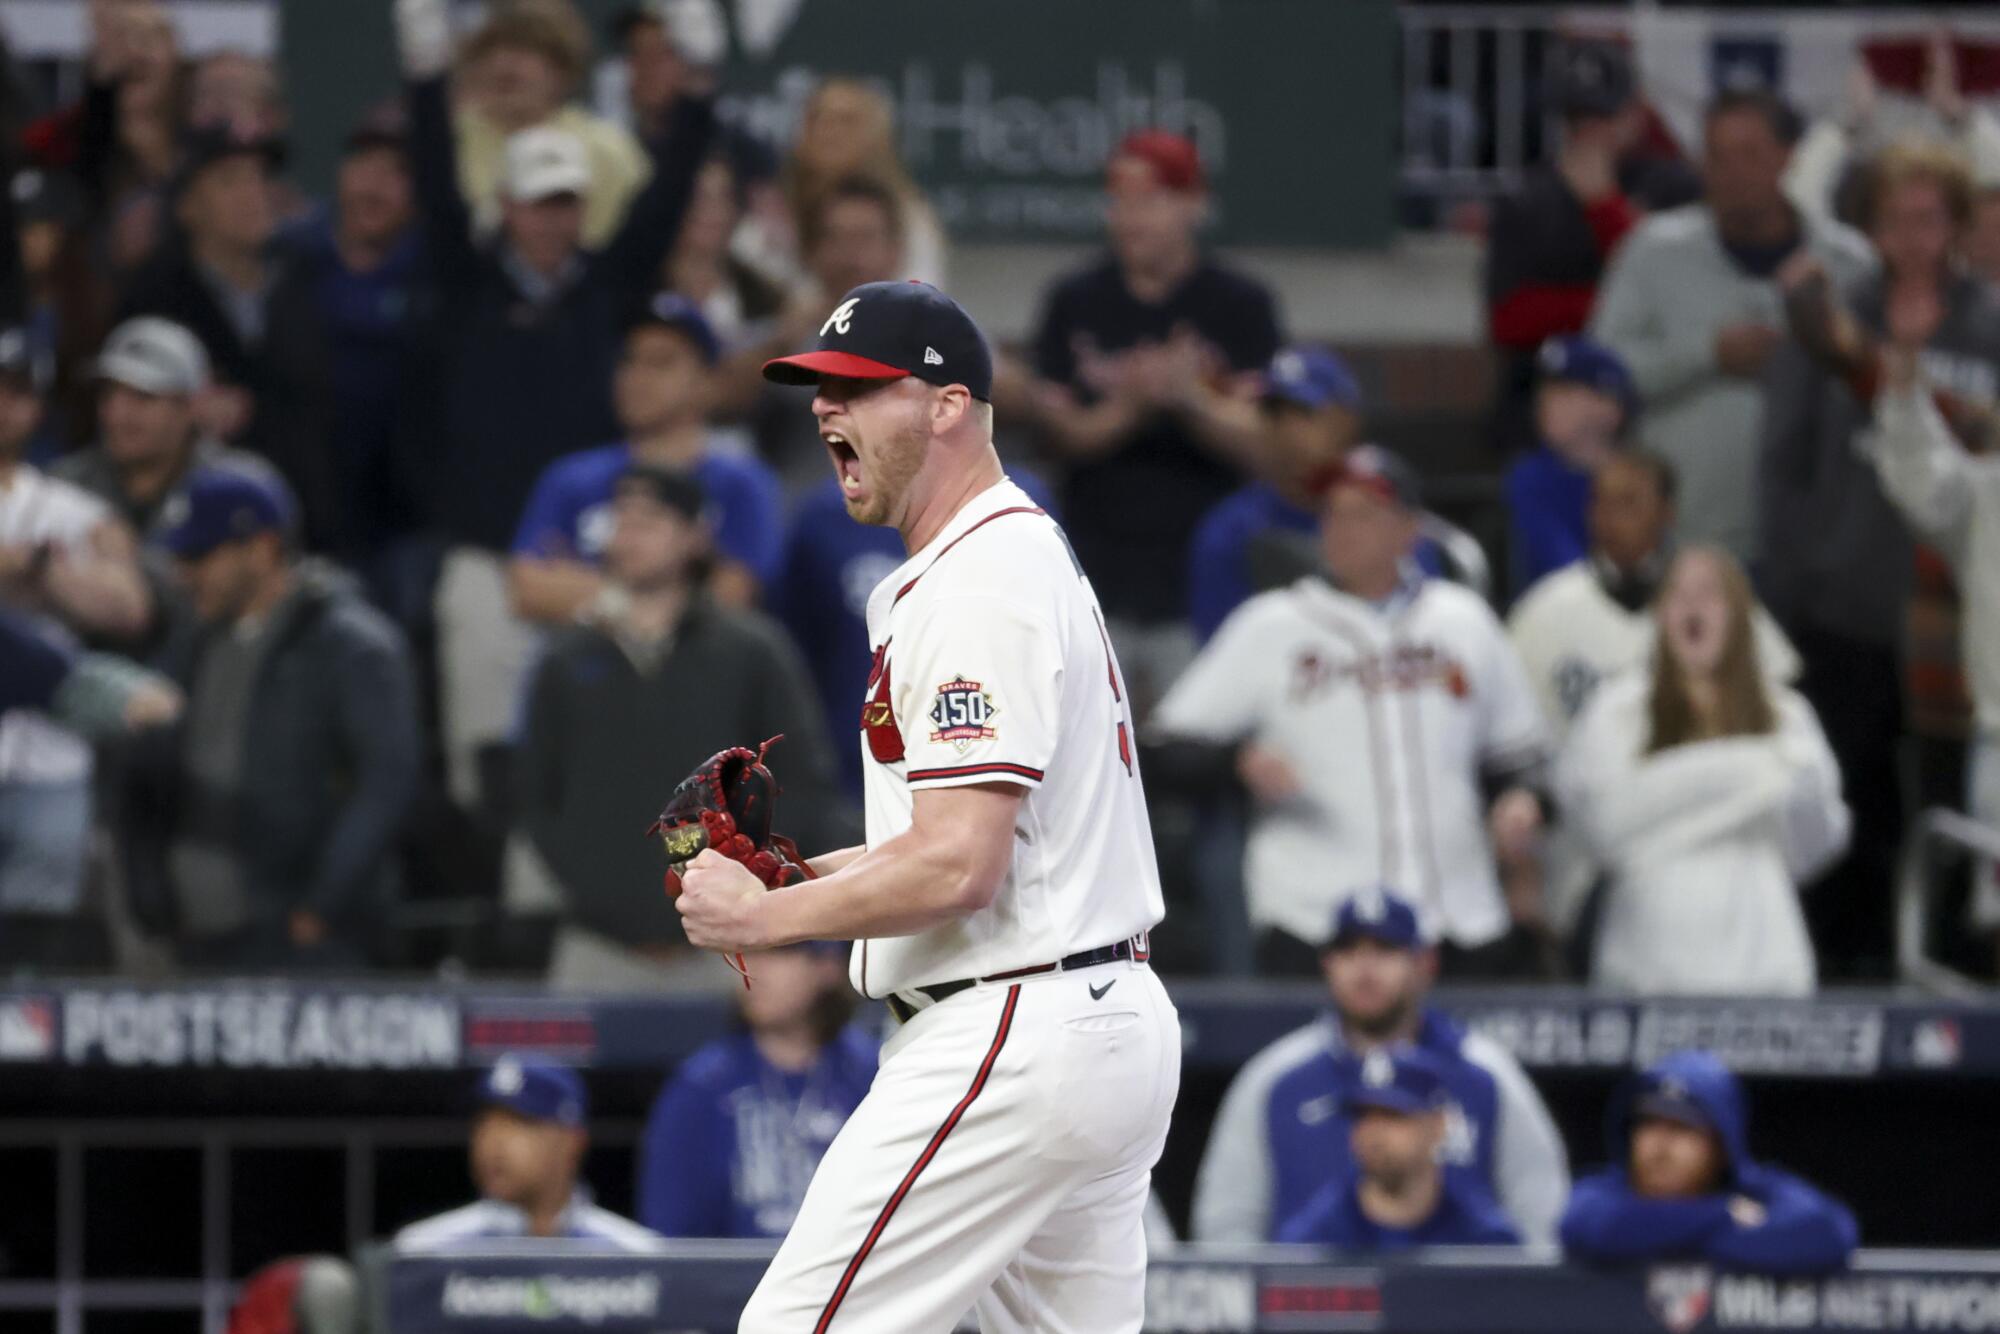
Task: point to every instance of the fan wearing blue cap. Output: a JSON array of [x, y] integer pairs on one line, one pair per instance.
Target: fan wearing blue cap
[[1398, 1195], [737, 1133], [1683, 1186], [1280, 1138], [529, 1136], [1311, 416], [661, 391], [279, 809], [1585, 399]]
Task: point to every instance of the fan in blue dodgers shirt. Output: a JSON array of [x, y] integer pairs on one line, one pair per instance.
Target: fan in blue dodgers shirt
[[1397, 1195], [1685, 1187], [528, 1142], [737, 1134], [831, 564], [661, 392], [1584, 400], [1265, 534], [1280, 1138]]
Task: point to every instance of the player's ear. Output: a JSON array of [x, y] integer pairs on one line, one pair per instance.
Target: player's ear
[[951, 406]]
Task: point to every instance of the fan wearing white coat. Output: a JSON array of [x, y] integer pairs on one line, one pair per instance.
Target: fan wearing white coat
[[1707, 789]]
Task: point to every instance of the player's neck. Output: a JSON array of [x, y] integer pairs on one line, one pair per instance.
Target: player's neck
[[1361, 1041], [653, 612], [240, 266], [1154, 279], [1373, 585], [146, 479], [674, 444], [792, 1048], [929, 516], [1400, 1203], [545, 1214]]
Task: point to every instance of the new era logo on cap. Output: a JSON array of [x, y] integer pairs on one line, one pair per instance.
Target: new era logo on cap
[[894, 331]]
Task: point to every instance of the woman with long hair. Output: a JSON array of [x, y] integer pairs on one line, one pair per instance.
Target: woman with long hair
[[848, 130], [1706, 790]]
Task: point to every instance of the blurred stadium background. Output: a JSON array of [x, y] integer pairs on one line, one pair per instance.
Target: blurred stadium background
[[248, 995]]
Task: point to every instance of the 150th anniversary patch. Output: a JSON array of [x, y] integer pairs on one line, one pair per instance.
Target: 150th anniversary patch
[[962, 713]]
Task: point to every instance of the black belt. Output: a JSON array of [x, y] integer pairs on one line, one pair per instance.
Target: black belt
[[940, 991]]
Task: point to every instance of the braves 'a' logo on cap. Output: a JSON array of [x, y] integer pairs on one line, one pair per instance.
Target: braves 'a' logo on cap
[[842, 317]]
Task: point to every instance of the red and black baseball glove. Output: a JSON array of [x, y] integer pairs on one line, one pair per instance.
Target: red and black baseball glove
[[725, 805]]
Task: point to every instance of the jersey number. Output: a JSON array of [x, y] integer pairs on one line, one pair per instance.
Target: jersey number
[[1117, 695]]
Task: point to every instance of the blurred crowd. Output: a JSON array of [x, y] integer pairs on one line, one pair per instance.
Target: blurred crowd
[[372, 567]]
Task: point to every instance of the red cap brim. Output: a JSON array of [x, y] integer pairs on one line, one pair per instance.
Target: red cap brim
[[812, 367]]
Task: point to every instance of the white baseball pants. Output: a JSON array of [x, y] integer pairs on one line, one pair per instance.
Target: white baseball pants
[[1001, 1162]]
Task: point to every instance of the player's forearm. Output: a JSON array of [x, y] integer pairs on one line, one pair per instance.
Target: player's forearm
[[828, 862], [551, 592], [1087, 432], [920, 879], [1227, 424], [99, 597]]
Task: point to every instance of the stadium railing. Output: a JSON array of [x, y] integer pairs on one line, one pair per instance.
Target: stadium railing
[[1917, 887]]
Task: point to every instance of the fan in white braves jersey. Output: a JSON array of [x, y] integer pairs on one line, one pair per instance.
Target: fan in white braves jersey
[[64, 557], [1373, 712], [1002, 1158]]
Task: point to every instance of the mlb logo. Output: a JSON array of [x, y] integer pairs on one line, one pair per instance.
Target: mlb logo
[[27, 1029], [1678, 1296], [1936, 1044]]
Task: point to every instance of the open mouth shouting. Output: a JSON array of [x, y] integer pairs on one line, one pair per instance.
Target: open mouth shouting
[[846, 462]]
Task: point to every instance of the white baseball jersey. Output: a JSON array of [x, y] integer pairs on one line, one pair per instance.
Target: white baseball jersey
[[992, 664], [1388, 717], [1572, 636], [36, 509]]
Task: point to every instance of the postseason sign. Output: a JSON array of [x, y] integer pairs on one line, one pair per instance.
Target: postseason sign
[[233, 1028]]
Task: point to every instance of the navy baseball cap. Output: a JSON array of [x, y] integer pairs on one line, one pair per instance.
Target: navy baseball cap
[[676, 490], [207, 145], [1662, 1096], [1583, 360], [537, 1088], [894, 331], [1375, 470], [1377, 913], [1311, 377], [221, 505], [1395, 1079], [1591, 79], [671, 310]]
